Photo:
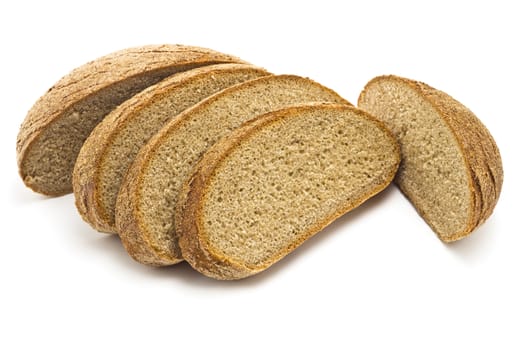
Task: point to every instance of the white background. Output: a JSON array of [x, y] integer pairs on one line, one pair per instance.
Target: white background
[[378, 278]]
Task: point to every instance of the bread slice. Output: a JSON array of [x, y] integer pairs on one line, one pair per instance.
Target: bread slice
[[59, 122], [451, 168], [148, 195], [278, 180], [114, 143]]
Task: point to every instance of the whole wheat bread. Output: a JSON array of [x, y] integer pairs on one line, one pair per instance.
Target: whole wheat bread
[[56, 126], [278, 180], [114, 143], [451, 168], [148, 196]]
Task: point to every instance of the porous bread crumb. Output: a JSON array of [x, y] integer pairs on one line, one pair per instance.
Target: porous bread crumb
[[288, 177]]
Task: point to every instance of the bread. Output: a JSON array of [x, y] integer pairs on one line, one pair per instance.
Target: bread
[[59, 122], [114, 143], [451, 168], [148, 195], [278, 180]]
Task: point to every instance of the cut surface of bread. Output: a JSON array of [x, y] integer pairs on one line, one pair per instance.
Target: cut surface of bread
[[114, 143], [58, 123], [148, 196], [451, 168], [276, 181]]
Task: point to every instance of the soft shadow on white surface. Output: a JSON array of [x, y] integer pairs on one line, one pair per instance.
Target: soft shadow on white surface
[[20, 195], [111, 244], [471, 248], [183, 272], [477, 244]]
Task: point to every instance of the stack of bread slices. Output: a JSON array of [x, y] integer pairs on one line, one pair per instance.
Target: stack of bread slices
[[191, 154]]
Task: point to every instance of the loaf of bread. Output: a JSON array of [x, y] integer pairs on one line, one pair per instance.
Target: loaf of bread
[[114, 143], [57, 125], [148, 196], [451, 168], [191, 154], [276, 181]]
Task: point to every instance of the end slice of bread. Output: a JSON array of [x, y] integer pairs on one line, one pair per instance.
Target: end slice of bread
[[451, 168], [58, 123], [112, 146], [278, 180], [147, 200]]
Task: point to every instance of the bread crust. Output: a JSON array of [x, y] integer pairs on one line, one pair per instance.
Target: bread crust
[[194, 245], [129, 223], [92, 78], [94, 152], [128, 218], [478, 149]]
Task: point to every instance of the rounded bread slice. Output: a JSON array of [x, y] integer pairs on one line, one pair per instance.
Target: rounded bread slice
[[451, 168], [278, 180], [58, 123]]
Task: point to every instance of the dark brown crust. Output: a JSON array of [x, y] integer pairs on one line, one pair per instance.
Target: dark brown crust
[[193, 242], [86, 174], [128, 218], [479, 151], [96, 76]]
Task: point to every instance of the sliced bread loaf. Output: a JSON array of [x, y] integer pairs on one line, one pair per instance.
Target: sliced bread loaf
[[148, 196], [114, 143], [451, 168], [56, 126], [278, 180]]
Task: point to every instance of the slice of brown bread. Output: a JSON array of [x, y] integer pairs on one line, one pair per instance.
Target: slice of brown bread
[[451, 168], [147, 199], [278, 180], [114, 143], [56, 126]]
